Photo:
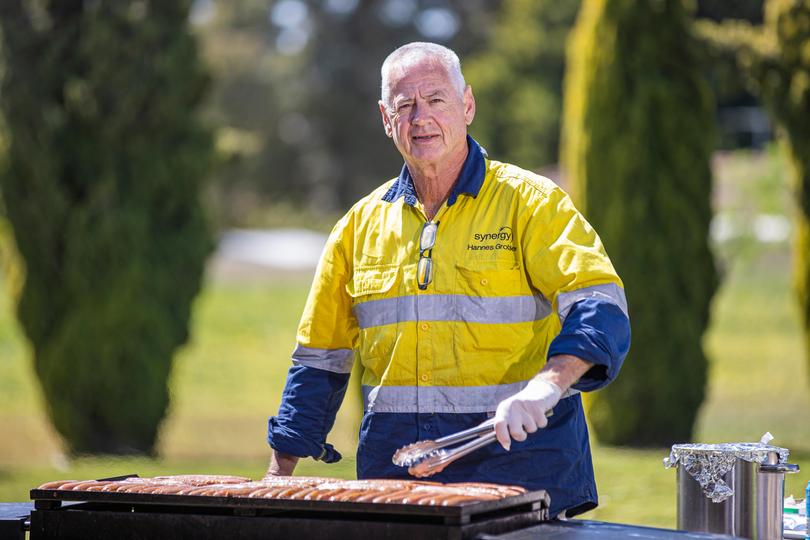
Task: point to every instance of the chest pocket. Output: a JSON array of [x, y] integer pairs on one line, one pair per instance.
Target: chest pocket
[[369, 281], [487, 278], [488, 303], [376, 312]]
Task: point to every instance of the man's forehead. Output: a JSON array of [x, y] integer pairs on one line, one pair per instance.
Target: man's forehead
[[422, 88], [424, 78]]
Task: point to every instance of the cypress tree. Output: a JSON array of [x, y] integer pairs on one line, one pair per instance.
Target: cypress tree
[[101, 184], [637, 144], [774, 58], [787, 95]]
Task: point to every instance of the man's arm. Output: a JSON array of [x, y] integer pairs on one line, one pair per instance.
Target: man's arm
[[526, 411], [564, 370], [309, 404], [586, 355], [281, 464], [322, 363], [567, 263]]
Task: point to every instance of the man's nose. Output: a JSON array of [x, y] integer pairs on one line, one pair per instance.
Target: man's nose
[[418, 114]]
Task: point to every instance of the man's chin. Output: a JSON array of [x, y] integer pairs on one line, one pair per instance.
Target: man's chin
[[427, 155]]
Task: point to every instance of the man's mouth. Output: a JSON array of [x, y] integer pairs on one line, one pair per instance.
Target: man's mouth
[[424, 138]]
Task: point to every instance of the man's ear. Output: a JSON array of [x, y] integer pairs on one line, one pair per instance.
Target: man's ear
[[469, 105], [389, 130]]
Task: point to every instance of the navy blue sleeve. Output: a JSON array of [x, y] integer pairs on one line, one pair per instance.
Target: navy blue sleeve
[[309, 404], [596, 331]]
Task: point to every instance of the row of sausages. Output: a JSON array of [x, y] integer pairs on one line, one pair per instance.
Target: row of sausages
[[300, 488]]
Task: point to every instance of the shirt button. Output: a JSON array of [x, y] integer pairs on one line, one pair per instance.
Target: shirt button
[[425, 326], [484, 281], [425, 376], [427, 427]]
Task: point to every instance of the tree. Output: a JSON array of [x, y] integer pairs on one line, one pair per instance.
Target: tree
[[775, 60], [297, 84], [105, 161], [637, 143], [517, 81]]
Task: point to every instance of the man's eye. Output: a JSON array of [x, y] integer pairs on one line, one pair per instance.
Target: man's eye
[[404, 107], [436, 100]]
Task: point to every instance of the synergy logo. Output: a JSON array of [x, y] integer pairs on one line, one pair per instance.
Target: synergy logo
[[504, 234], [500, 239]]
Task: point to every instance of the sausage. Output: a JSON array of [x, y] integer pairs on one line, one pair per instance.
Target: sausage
[[260, 492], [349, 495], [417, 497], [98, 486], [200, 479], [70, 485], [456, 500], [287, 492], [136, 488], [506, 491], [235, 491], [391, 491], [302, 493], [83, 486], [170, 489], [56, 484], [389, 497], [323, 494]]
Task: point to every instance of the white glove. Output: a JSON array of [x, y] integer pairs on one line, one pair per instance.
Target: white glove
[[525, 412]]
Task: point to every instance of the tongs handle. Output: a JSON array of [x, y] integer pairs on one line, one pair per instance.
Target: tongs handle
[[483, 427], [488, 425], [465, 449], [435, 463]]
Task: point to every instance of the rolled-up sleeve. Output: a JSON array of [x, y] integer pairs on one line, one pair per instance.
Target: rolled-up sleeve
[[569, 266], [309, 405], [597, 331]]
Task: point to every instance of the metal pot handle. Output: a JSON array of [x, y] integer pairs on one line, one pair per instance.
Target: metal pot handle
[[779, 468]]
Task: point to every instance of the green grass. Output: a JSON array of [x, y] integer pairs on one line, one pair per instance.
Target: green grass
[[757, 384], [228, 379]]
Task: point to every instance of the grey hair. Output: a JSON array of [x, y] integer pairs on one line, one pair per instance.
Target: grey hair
[[412, 54]]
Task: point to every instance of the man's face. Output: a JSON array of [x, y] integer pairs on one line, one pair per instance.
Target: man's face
[[427, 118]]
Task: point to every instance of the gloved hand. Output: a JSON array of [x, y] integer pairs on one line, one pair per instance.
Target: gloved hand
[[525, 412]]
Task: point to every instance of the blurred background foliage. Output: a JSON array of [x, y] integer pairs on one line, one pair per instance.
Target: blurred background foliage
[[296, 84], [296, 91], [292, 107]]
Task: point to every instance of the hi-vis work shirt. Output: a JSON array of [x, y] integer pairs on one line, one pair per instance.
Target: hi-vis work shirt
[[518, 277]]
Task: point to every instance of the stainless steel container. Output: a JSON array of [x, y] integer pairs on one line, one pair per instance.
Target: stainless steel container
[[735, 515], [735, 489], [770, 498]]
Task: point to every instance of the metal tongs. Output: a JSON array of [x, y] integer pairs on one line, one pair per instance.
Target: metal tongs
[[426, 458]]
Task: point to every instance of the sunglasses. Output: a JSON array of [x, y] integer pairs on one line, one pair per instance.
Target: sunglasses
[[424, 270]]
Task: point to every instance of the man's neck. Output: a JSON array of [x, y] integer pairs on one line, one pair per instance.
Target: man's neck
[[434, 182]]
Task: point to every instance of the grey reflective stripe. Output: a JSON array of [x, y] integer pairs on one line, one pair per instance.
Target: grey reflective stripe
[[441, 399], [334, 360], [609, 292], [452, 307]]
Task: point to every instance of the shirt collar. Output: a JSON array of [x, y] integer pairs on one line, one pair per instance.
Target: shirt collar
[[469, 180]]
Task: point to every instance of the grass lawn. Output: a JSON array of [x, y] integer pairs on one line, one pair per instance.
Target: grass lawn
[[229, 377]]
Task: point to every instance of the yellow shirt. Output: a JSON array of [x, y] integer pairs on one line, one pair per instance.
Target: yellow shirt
[[508, 265]]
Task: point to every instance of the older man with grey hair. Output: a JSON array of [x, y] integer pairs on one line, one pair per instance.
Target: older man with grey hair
[[470, 291]]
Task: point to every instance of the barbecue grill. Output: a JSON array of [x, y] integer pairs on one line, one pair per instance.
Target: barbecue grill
[[89, 515]]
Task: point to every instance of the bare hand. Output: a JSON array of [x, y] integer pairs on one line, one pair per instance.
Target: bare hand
[[281, 464]]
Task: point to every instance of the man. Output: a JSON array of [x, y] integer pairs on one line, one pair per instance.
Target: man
[[466, 288]]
